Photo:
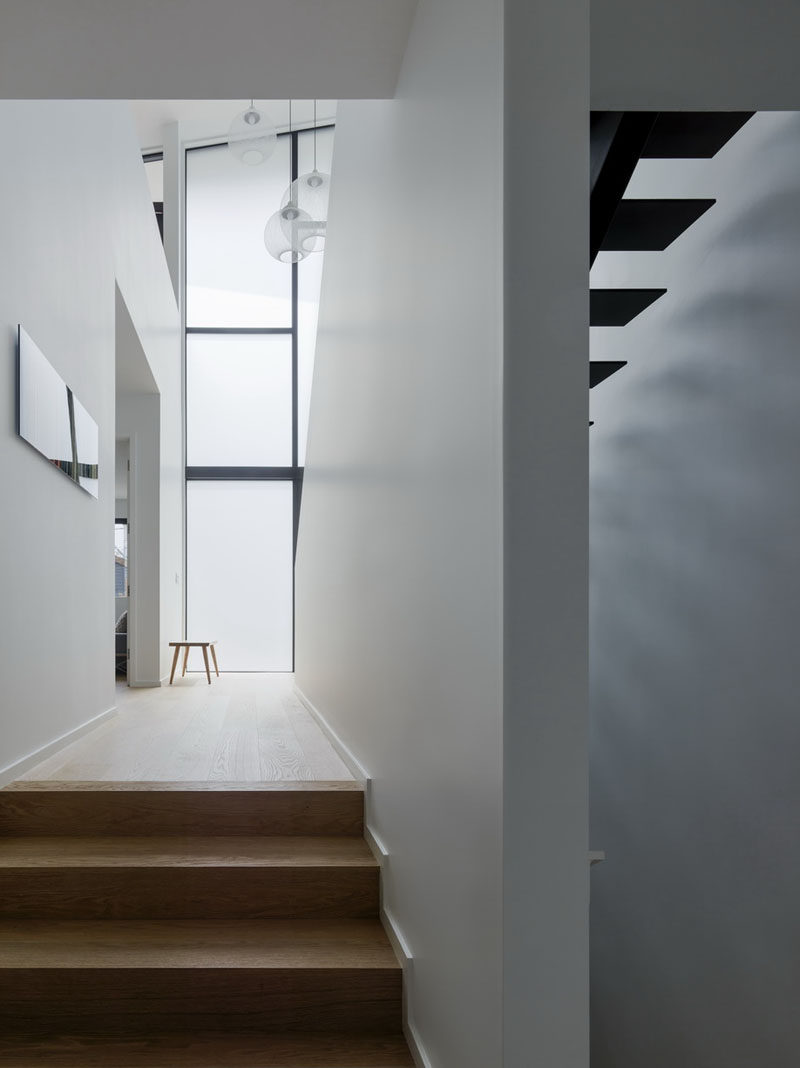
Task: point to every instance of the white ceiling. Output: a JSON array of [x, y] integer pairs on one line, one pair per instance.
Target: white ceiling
[[204, 119], [202, 49]]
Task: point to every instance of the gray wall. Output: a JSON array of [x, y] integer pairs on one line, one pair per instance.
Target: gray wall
[[545, 459], [74, 213], [695, 598]]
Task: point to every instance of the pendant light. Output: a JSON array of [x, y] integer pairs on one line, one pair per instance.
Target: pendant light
[[310, 193], [287, 228], [252, 136]]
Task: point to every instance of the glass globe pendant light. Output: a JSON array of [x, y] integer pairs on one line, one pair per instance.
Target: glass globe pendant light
[[285, 229], [284, 234], [310, 193], [252, 137]]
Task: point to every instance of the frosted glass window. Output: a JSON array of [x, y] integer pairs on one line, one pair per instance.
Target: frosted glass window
[[309, 278], [231, 280], [239, 572], [239, 400], [305, 150]]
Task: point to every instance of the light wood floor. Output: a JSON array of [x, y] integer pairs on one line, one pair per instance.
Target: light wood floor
[[242, 728]]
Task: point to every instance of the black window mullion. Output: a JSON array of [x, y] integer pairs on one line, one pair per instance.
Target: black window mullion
[[296, 485], [242, 474], [239, 330]]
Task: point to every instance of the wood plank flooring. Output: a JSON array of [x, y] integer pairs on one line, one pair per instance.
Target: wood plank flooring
[[243, 728]]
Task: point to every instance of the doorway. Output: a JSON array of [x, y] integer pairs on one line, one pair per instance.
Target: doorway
[[122, 555]]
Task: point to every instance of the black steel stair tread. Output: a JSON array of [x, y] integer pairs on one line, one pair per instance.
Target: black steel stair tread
[[651, 225], [617, 307], [692, 134], [600, 370]]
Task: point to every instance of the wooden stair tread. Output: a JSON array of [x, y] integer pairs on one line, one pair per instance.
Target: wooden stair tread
[[206, 945], [209, 1051], [130, 851]]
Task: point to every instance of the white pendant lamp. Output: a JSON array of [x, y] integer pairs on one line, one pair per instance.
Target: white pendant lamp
[[286, 229], [252, 137], [310, 194]]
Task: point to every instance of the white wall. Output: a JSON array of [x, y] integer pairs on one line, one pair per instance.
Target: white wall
[[149, 308], [400, 582], [695, 598], [399, 556], [73, 219]]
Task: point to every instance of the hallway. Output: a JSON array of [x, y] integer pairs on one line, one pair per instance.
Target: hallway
[[245, 727]]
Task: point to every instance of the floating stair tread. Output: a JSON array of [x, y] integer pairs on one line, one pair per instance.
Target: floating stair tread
[[617, 307], [191, 852], [692, 134], [600, 370], [209, 1051], [205, 945], [651, 225]]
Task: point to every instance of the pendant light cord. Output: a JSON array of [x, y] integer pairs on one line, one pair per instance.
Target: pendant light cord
[[291, 199], [315, 136]]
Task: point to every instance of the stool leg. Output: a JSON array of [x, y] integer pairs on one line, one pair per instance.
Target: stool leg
[[214, 658], [185, 660], [205, 657], [174, 663]]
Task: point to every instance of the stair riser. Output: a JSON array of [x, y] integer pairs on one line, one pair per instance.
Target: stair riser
[[193, 812], [209, 1051], [188, 893], [120, 1002]]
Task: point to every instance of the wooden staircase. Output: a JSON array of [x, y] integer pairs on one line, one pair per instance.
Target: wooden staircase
[[204, 925]]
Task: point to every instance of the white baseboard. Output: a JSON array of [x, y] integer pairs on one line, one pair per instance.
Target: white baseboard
[[353, 766], [19, 767], [145, 685], [381, 853], [406, 958], [421, 1058]]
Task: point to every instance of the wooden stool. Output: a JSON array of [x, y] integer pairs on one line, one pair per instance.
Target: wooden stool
[[186, 646]]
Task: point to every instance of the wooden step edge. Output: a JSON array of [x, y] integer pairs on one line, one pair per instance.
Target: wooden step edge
[[283, 786]]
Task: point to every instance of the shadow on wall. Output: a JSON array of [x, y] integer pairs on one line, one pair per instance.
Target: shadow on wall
[[695, 601]]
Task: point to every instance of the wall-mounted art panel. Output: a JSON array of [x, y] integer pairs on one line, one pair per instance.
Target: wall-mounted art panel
[[52, 419]]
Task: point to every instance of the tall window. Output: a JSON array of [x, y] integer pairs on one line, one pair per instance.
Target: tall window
[[251, 330]]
